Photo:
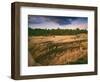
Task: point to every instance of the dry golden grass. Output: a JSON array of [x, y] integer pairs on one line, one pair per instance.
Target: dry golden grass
[[58, 50]]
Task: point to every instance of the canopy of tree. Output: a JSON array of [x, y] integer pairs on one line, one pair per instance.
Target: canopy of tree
[[49, 32]]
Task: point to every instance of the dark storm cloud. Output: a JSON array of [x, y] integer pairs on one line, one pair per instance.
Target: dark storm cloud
[[60, 20], [36, 19], [56, 19]]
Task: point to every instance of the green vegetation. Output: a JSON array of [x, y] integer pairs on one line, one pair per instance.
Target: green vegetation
[[48, 32], [82, 60]]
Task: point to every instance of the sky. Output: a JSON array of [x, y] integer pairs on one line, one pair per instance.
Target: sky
[[54, 22]]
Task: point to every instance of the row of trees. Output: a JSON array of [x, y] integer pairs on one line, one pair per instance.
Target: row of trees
[[49, 32]]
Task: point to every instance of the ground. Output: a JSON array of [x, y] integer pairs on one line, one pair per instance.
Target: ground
[[57, 50]]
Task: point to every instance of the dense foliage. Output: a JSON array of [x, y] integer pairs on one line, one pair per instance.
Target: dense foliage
[[48, 32]]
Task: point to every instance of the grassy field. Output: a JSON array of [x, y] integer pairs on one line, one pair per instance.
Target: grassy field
[[57, 50]]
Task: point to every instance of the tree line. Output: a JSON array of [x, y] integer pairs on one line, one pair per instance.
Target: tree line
[[49, 32]]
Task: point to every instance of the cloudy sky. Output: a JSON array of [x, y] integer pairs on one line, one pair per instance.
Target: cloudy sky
[[54, 22]]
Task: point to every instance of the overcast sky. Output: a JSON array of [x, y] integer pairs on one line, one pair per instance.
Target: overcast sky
[[54, 22]]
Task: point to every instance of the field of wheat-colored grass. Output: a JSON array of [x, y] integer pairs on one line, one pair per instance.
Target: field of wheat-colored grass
[[57, 50]]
